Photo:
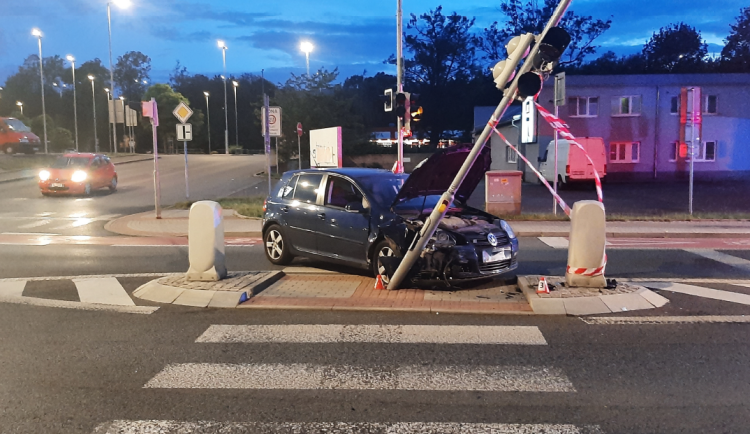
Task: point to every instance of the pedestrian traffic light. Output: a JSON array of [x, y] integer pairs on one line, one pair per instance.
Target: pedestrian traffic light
[[387, 99], [402, 104]]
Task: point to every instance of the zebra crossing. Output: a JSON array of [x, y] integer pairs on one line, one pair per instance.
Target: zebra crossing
[[501, 377]]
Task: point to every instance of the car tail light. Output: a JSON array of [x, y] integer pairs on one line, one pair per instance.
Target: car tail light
[[567, 169], [264, 204]]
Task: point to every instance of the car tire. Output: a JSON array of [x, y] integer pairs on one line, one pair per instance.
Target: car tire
[[382, 248], [275, 246], [9, 150], [113, 185], [87, 189]]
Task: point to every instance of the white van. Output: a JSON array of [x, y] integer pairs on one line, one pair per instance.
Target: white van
[[572, 164]]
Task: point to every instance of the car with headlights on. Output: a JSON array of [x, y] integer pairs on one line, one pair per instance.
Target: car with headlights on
[[75, 173], [369, 217]]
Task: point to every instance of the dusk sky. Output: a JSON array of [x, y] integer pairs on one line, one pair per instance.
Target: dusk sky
[[354, 35]]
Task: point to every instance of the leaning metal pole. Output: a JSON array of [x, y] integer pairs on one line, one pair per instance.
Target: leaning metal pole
[[437, 214]]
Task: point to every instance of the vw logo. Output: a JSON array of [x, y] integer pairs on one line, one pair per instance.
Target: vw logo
[[492, 239]]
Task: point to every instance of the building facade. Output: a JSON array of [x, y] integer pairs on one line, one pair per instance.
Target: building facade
[[639, 118]]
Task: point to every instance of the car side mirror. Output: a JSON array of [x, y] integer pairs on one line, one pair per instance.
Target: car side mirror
[[355, 207]]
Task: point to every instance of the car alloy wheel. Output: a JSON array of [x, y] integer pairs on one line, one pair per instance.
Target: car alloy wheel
[[9, 150], [384, 251], [274, 245], [113, 185]]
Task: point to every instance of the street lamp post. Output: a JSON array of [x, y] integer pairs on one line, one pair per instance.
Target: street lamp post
[[38, 34], [236, 122], [72, 61], [307, 47], [224, 47], [124, 124], [122, 4], [93, 100], [109, 138], [20, 104], [208, 115]]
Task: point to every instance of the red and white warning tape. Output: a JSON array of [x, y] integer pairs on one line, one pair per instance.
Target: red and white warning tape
[[562, 128], [588, 272], [559, 200]]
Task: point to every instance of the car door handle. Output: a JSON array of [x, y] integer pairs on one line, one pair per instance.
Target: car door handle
[[322, 216]]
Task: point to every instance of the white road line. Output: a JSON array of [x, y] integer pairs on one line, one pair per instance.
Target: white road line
[[601, 320], [33, 301], [346, 377], [742, 264], [94, 276], [699, 291], [178, 427], [103, 291], [39, 234], [555, 242], [13, 289], [35, 224], [412, 334]]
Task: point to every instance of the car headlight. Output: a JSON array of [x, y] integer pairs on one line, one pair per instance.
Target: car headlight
[[442, 239], [44, 175], [506, 227], [79, 176]]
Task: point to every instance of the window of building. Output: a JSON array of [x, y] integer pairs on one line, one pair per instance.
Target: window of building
[[711, 104], [674, 106], [626, 105], [624, 152], [307, 188], [706, 152], [674, 151], [583, 106], [510, 155]]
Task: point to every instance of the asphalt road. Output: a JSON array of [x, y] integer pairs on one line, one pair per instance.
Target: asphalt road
[[25, 210]]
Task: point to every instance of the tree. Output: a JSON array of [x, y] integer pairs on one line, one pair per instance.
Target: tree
[[735, 56], [610, 64], [132, 74], [677, 48], [520, 19], [166, 100]]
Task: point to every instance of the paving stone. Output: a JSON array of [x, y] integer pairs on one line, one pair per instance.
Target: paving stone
[[225, 299], [235, 281], [548, 306], [626, 302], [194, 297], [159, 293], [585, 306], [653, 298]]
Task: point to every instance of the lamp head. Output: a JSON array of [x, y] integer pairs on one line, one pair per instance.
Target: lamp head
[[91, 77], [221, 44], [106, 89], [70, 58], [235, 84], [122, 4], [306, 47], [206, 94], [36, 32], [122, 98], [19, 103]]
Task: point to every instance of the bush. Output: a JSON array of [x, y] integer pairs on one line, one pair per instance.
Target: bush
[[60, 139], [37, 126]]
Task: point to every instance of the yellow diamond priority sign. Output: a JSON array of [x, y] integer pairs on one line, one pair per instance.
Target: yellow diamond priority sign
[[182, 112]]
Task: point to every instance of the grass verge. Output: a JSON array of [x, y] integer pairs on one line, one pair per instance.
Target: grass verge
[[245, 206]]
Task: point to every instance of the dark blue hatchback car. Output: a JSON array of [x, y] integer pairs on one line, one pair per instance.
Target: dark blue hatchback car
[[369, 217]]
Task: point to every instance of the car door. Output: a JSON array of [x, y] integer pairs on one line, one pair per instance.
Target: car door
[[94, 172], [301, 212], [344, 221]]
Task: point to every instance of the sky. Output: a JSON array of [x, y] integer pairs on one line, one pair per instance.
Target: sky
[[353, 35]]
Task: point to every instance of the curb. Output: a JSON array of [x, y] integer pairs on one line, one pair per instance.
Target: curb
[[580, 306], [120, 226]]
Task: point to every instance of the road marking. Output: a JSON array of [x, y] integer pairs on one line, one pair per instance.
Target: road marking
[[178, 427], [555, 242], [742, 264], [37, 234], [105, 290], [699, 291], [412, 334], [35, 224], [667, 319], [94, 276], [13, 289], [33, 301], [346, 377]]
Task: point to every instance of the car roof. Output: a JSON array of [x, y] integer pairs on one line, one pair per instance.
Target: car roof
[[80, 155], [352, 172]]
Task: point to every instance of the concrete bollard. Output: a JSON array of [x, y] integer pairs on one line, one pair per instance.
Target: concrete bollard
[[206, 242], [588, 237]]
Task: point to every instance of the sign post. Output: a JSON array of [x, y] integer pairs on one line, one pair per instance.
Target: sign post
[[184, 133], [150, 110], [273, 120], [267, 138], [299, 145], [559, 100]]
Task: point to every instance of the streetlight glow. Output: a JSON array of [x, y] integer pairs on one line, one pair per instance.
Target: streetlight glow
[[36, 32], [307, 47], [205, 93], [235, 84], [70, 58], [222, 44], [91, 77], [122, 4]]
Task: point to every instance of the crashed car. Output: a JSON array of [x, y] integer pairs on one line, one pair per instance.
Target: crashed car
[[369, 217]]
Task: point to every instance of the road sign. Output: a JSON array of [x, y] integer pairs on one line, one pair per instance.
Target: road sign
[[528, 121], [274, 121], [182, 112], [184, 132], [560, 89], [299, 129]]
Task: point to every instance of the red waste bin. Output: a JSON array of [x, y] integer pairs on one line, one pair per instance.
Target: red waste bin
[[503, 192]]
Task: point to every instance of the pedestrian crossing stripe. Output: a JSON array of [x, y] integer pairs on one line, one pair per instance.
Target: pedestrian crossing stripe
[[107, 290]]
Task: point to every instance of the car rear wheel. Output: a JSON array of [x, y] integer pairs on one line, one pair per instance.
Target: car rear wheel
[[113, 184], [9, 150], [276, 248], [382, 249]]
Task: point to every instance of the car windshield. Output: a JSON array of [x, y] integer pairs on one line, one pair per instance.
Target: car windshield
[[70, 162], [419, 205], [16, 125], [383, 188]]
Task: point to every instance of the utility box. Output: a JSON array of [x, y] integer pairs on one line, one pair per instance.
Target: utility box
[[206, 242], [502, 191]]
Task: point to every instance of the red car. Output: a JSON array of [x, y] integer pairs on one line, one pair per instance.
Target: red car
[[17, 137], [78, 174]]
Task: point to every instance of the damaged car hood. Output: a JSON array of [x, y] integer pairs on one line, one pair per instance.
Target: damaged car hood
[[434, 175]]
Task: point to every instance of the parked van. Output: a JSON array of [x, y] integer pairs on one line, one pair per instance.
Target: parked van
[[572, 164], [16, 137]]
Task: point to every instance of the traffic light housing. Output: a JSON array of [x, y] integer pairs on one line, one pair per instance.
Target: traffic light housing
[[387, 99], [402, 101]]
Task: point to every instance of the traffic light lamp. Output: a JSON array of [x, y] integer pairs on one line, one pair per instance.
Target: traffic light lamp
[[402, 104]]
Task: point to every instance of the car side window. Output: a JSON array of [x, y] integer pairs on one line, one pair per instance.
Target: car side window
[[96, 163], [107, 161], [287, 192], [340, 192], [307, 187]]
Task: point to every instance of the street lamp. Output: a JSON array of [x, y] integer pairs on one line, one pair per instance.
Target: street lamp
[[38, 34], [93, 99], [208, 115], [236, 123], [72, 61], [124, 123], [307, 47], [109, 133], [122, 4], [224, 47], [20, 104]]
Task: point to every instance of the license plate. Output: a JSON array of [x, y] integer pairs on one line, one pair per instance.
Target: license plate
[[57, 185], [490, 256]]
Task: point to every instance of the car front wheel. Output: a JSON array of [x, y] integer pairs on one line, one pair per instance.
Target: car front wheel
[[276, 247], [382, 249], [113, 185]]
